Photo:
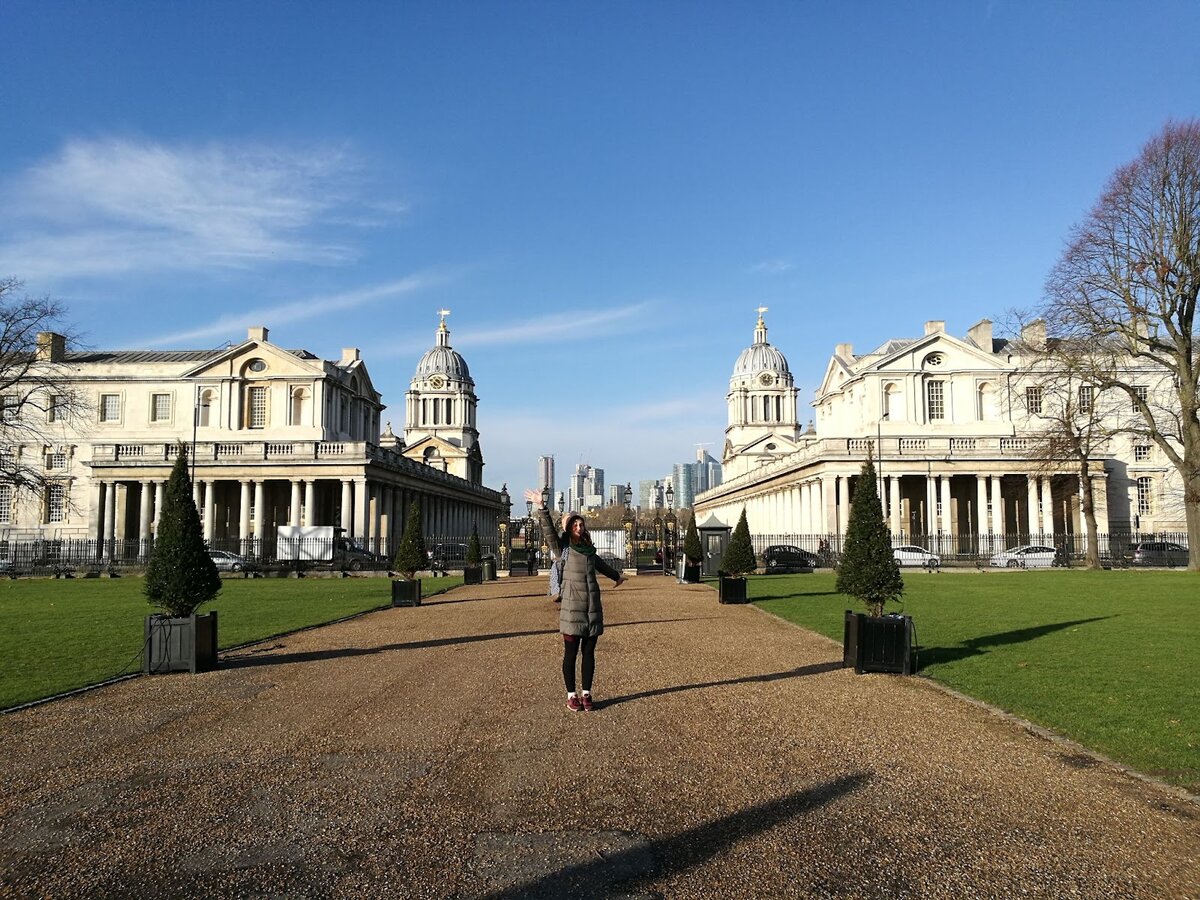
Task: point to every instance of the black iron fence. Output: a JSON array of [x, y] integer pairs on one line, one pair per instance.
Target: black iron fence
[[977, 550]]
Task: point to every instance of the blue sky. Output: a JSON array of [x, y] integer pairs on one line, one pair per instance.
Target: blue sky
[[602, 193]]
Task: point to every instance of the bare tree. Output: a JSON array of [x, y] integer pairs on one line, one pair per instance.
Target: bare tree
[[1074, 420], [1126, 289], [38, 400]]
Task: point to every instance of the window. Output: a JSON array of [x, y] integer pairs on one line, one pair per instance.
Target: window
[[6, 498], [160, 407], [936, 400], [110, 407], [300, 404], [56, 503], [54, 408], [56, 460], [208, 399], [1085, 398], [766, 409], [1141, 452], [1145, 497], [256, 408], [8, 408], [1141, 392], [1033, 400]]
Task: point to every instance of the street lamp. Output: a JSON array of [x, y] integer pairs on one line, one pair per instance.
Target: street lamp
[[630, 523], [195, 426], [503, 525], [562, 504], [669, 553]]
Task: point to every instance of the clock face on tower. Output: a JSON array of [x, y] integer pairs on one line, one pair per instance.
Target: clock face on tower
[[437, 382], [766, 378]]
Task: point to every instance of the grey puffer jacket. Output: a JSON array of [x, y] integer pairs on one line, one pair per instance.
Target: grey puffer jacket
[[581, 613]]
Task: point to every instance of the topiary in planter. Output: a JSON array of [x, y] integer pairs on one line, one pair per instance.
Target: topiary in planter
[[411, 555], [472, 568], [868, 570], [739, 555], [691, 544], [180, 575]]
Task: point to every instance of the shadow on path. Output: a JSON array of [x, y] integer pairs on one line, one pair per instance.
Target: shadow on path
[[932, 656], [800, 672], [243, 662], [622, 873]]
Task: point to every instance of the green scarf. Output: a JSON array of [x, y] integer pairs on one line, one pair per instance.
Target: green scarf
[[585, 549]]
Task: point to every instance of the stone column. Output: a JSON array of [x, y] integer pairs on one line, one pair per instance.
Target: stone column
[[244, 514], [1034, 518], [210, 510], [894, 499], [1047, 507], [294, 508], [110, 517], [997, 508], [981, 513], [160, 492], [931, 518], [347, 506], [260, 513], [377, 518], [947, 506], [310, 501], [360, 508], [144, 519]]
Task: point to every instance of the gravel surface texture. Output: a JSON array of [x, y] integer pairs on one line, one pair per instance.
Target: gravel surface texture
[[427, 752]]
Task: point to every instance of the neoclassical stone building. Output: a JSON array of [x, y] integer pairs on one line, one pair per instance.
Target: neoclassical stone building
[[280, 437], [949, 423]]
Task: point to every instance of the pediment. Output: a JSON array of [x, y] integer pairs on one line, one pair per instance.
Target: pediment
[[957, 355], [768, 445], [280, 362], [445, 449]]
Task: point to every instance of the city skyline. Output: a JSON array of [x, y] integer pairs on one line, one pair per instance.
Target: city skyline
[[175, 174]]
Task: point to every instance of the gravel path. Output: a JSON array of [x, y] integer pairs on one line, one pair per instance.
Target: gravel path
[[427, 753]]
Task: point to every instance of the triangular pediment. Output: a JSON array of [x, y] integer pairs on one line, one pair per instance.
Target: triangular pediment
[[418, 448], [958, 355], [279, 362]]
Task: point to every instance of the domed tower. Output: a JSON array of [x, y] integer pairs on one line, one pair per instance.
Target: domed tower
[[761, 401], [439, 413]]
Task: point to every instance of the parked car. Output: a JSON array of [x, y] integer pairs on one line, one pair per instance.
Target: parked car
[[443, 557], [912, 555], [229, 562], [1159, 553], [786, 558], [1027, 556]]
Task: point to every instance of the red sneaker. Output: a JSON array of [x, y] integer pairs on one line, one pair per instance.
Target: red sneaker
[[586, 700], [573, 704]]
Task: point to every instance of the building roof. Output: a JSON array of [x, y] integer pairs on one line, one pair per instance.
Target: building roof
[[156, 356]]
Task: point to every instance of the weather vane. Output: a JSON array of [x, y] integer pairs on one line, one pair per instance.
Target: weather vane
[[443, 313], [761, 310]]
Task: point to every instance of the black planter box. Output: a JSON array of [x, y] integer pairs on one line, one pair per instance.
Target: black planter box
[[473, 575], [730, 589], [180, 644], [406, 593], [878, 643], [691, 574]]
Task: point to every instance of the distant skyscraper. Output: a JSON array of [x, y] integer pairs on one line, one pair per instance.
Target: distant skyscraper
[[706, 472], [685, 489], [546, 473], [649, 494]]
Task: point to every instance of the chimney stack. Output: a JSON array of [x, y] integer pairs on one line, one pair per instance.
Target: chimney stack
[[51, 347]]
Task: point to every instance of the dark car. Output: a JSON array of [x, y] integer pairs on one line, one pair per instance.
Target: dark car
[[443, 557], [1159, 553], [786, 558]]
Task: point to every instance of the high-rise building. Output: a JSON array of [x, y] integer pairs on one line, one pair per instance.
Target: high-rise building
[[685, 489], [707, 471], [649, 494], [546, 473]]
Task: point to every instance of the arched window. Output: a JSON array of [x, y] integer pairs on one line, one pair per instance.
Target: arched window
[[766, 409], [208, 402], [893, 402], [301, 398], [986, 403]]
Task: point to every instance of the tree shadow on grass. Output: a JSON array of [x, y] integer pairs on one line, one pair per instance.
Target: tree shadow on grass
[[933, 656], [799, 672], [242, 662], [646, 862], [795, 596]]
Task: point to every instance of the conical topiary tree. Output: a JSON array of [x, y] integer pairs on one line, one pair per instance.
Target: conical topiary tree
[[411, 555], [474, 556], [180, 575], [868, 569], [739, 555], [691, 544]]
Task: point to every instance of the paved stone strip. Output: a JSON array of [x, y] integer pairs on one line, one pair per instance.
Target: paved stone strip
[[427, 752]]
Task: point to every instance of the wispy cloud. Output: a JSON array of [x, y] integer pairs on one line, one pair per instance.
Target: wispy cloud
[[772, 267], [112, 207], [231, 324], [534, 331]]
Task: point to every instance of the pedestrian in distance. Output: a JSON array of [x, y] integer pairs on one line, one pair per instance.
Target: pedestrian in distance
[[581, 613]]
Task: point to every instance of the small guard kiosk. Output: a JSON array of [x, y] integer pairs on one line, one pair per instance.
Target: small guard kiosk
[[714, 538]]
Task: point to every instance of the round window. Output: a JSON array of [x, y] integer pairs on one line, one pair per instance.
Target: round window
[[934, 359], [257, 365]]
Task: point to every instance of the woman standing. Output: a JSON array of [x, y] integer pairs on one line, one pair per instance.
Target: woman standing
[[581, 615]]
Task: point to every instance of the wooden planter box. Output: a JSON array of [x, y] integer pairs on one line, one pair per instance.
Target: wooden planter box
[[406, 593], [473, 575], [691, 574], [731, 589], [180, 644], [878, 643]]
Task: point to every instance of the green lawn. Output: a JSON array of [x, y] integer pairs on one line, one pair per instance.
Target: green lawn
[[1106, 658], [60, 635]]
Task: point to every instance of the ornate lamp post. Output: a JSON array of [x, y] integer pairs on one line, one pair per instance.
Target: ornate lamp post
[[545, 546], [630, 522], [659, 542], [672, 531], [530, 558], [503, 544]]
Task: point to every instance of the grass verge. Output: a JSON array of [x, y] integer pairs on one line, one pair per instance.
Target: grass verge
[[56, 636], [1104, 658]]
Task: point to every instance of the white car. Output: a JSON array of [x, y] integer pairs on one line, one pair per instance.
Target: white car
[[1027, 556], [227, 562], [910, 555]]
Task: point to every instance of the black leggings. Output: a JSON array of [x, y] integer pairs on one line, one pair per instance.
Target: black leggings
[[570, 650]]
